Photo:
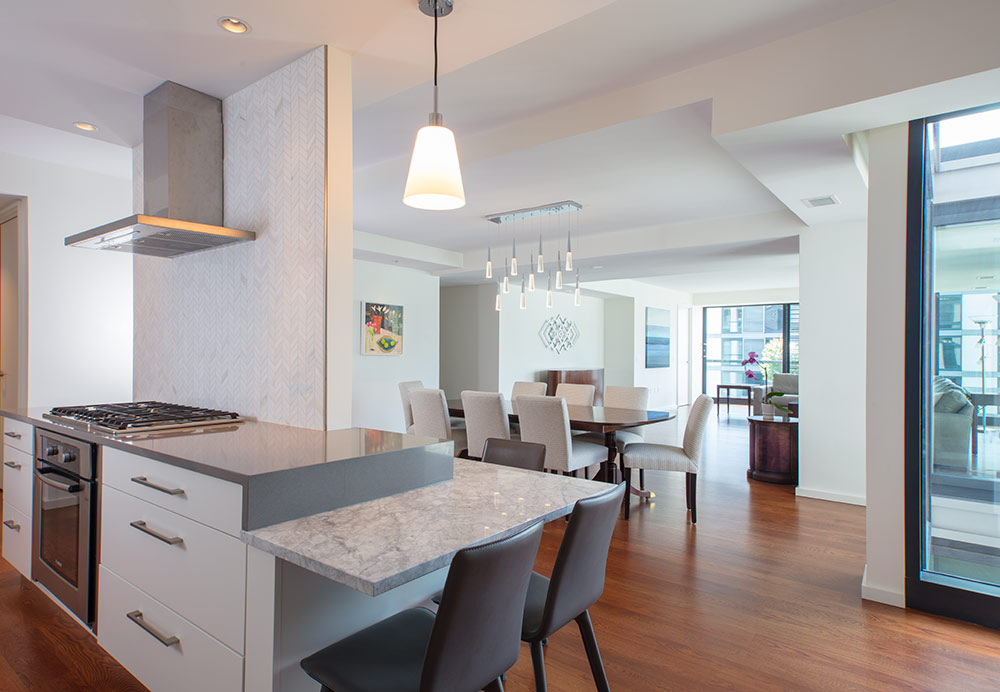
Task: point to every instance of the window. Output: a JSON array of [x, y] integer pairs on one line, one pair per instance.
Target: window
[[732, 332], [953, 366]]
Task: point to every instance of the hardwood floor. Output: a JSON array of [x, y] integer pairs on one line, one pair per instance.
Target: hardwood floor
[[764, 594]]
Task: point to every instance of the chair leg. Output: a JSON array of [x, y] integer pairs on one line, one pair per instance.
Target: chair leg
[[538, 663], [593, 653], [627, 472], [642, 479], [495, 686], [687, 490], [586, 472], [692, 502]]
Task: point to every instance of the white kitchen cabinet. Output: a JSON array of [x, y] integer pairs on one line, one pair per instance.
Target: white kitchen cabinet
[[19, 435], [17, 539], [17, 479], [195, 570], [208, 500], [166, 652]]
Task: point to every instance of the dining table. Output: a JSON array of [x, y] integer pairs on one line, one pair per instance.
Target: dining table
[[602, 420]]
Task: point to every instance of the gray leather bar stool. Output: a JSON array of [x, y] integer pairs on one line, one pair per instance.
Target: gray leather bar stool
[[577, 583], [467, 647], [515, 453]]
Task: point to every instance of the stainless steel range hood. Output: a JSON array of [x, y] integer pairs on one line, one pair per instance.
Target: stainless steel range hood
[[181, 181]]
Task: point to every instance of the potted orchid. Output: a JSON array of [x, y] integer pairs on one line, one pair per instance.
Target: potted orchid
[[753, 358]]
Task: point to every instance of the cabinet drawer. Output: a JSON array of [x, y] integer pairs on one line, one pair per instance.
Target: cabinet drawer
[[17, 480], [195, 661], [17, 539], [19, 435], [193, 569], [205, 499]]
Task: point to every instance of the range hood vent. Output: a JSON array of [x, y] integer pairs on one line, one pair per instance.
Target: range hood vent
[[181, 181]]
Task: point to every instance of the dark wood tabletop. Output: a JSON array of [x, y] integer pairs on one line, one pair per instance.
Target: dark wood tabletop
[[599, 419]]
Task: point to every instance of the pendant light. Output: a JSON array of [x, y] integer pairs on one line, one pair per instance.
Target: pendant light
[[489, 256], [548, 294], [577, 298], [434, 181], [506, 277], [559, 283], [498, 296], [569, 245], [524, 297], [513, 250], [531, 276], [541, 260]]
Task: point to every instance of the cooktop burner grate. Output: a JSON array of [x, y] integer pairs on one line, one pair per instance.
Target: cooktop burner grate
[[140, 416]]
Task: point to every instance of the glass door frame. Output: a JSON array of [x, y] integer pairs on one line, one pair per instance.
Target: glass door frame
[[921, 594]]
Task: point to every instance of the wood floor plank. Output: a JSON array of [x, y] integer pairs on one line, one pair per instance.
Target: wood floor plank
[[763, 594]]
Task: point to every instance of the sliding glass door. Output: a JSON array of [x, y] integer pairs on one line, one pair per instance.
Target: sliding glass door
[[953, 366]]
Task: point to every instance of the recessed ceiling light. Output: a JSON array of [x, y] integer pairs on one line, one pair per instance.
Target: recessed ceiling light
[[989, 277], [824, 201], [978, 288], [234, 25], [598, 266], [89, 127]]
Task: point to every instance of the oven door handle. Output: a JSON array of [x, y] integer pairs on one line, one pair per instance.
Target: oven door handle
[[71, 488]]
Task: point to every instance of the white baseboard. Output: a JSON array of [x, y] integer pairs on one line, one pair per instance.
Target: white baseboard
[[831, 497], [880, 595]]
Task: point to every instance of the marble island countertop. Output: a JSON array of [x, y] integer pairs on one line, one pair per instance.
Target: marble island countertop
[[378, 545]]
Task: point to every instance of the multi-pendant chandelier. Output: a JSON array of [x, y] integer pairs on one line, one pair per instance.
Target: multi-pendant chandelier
[[534, 219]]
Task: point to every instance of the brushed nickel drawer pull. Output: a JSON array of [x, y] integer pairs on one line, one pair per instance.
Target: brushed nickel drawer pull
[[16, 436], [12, 465], [142, 480], [141, 525], [12, 525], [136, 617]]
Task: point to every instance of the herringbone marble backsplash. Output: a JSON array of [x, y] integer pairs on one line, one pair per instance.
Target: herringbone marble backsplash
[[242, 327]]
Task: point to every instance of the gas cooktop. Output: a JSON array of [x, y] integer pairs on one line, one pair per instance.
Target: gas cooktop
[[138, 416]]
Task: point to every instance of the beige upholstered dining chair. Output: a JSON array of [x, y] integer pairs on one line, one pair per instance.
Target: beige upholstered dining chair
[[528, 388], [485, 417], [686, 458], [633, 398], [576, 394], [545, 420], [404, 392], [431, 419]]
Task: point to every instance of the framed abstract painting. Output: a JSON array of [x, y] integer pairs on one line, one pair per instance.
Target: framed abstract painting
[[381, 329], [657, 338]]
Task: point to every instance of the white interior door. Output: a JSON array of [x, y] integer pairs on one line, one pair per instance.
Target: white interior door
[[683, 356]]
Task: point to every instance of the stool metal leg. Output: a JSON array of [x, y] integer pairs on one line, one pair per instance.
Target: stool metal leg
[[538, 663], [495, 686], [593, 653]]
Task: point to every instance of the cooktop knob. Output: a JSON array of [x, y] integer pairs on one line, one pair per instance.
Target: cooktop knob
[[68, 457], [51, 451]]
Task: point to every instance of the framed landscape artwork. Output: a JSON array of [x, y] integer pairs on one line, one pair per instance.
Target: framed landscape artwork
[[657, 338], [381, 329]]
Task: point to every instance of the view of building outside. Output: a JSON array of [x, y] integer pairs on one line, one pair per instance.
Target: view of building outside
[[732, 332]]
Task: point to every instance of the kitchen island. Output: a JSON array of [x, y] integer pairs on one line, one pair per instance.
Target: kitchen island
[[228, 555]]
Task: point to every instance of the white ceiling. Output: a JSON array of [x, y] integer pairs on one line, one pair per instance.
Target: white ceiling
[[656, 170], [66, 60]]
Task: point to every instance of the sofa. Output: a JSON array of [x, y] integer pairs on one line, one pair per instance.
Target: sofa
[[952, 424], [785, 383]]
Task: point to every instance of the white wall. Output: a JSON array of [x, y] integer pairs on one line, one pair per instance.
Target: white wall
[[884, 578], [79, 301], [523, 356], [764, 296], [376, 402], [832, 346], [625, 358], [470, 340]]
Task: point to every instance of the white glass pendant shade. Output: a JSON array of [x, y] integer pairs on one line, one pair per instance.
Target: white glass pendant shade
[[498, 301], [531, 281], [506, 284], [548, 293], [489, 269], [513, 266], [435, 178], [569, 260], [524, 296], [577, 298], [541, 260], [559, 283]]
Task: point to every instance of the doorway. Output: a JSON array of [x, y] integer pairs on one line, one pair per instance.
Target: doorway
[[13, 380]]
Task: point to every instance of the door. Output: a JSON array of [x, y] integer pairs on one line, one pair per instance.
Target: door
[[953, 372], [683, 356]]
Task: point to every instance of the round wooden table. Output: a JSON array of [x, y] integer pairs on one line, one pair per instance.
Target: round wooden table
[[774, 449]]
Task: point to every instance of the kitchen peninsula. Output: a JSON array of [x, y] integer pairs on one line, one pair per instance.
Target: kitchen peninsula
[[228, 553]]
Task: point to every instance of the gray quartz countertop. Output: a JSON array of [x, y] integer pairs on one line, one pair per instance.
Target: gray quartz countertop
[[243, 451], [378, 545]]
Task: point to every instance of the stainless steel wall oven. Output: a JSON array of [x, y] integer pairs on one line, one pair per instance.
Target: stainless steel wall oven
[[64, 540]]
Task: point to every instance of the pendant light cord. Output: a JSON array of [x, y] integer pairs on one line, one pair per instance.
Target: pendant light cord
[[435, 56]]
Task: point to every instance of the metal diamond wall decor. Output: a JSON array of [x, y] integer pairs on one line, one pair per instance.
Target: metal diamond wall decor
[[559, 334]]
